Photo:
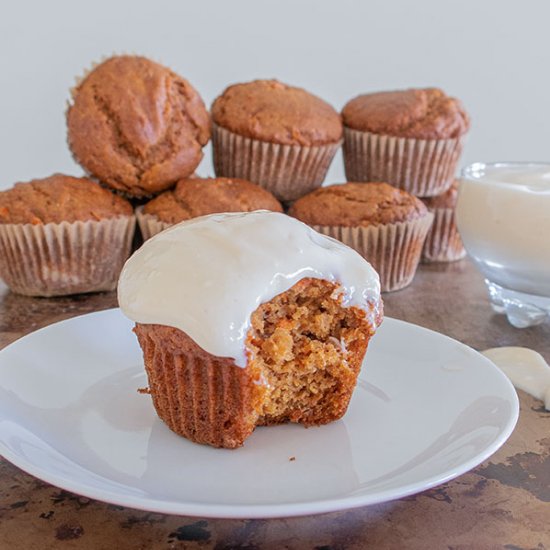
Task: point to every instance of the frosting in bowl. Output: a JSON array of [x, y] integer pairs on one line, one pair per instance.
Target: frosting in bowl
[[206, 276], [502, 216]]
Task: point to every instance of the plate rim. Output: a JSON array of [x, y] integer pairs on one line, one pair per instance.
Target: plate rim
[[263, 511]]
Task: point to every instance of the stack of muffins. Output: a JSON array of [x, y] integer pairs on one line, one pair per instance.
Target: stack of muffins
[[411, 139], [138, 130]]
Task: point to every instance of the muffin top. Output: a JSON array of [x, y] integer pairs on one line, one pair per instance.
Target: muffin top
[[358, 204], [271, 111], [195, 197], [60, 198], [417, 113], [445, 200], [137, 126]]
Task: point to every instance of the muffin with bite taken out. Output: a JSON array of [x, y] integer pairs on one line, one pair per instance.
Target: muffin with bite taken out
[[246, 320]]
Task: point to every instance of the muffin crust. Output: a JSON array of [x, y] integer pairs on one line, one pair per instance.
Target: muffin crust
[[60, 198], [358, 204], [137, 126], [271, 111], [416, 113], [305, 353], [194, 197], [445, 200]]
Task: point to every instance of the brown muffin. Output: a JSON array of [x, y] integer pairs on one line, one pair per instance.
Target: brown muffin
[[63, 235], [386, 225], [234, 332], [417, 113], [305, 353], [445, 200], [137, 126], [410, 138], [358, 204], [60, 198], [443, 243], [193, 197], [269, 110], [276, 135], [200, 196]]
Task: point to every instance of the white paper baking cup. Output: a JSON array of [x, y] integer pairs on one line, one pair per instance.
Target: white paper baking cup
[[288, 171], [423, 167], [393, 249], [57, 259], [149, 225], [443, 243]]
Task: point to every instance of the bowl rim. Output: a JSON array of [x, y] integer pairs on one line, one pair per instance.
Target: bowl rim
[[476, 171]]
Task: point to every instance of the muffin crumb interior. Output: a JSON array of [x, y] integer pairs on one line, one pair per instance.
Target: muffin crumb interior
[[300, 342]]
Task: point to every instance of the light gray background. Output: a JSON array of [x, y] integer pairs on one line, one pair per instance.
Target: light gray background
[[493, 55]]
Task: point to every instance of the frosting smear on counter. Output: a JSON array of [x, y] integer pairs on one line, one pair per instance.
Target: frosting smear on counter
[[525, 368], [206, 276]]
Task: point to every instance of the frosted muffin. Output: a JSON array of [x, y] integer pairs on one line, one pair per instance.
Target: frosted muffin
[[136, 126], [443, 243], [270, 325], [276, 135], [386, 225], [63, 235], [409, 138], [200, 196]]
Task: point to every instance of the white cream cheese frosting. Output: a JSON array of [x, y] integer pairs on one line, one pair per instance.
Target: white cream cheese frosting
[[525, 368], [503, 216], [206, 276]]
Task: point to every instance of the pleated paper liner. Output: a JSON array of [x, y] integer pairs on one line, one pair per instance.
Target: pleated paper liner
[[57, 259], [443, 243], [149, 225], [204, 398], [393, 249], [422, 167], [288, 171]]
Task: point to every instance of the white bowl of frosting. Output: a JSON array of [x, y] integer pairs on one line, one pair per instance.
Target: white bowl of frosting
[[503, 216]]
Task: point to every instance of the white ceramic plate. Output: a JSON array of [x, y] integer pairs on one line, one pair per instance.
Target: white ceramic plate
[[426, 410]]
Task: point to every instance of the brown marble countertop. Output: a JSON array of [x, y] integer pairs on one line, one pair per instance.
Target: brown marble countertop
[[503, 503]]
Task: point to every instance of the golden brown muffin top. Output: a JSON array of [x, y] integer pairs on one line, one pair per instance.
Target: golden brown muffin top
[[357, 204], [271, 111], [195, 197], [137, 126], [445, 200], [417, 113], [60, 198]]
